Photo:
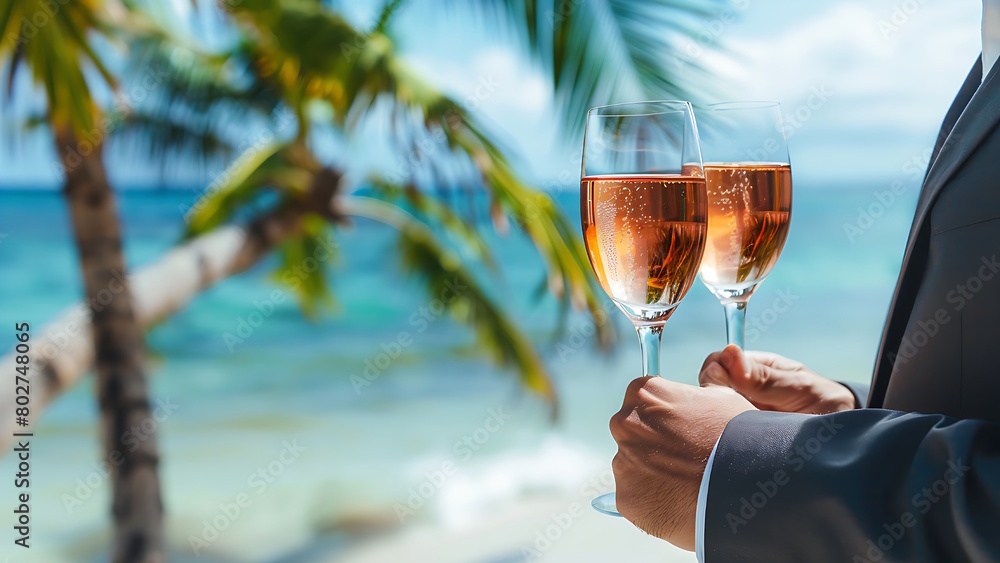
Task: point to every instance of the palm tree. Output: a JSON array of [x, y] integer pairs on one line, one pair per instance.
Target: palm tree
[[595, 52], [302, 58], [287, 72], [283, 60], [51, 41]]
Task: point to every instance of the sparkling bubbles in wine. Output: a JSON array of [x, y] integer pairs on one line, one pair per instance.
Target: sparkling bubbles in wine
[[748, 217], [645, 235]]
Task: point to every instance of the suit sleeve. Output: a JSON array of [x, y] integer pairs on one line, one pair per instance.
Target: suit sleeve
[[858, 486]]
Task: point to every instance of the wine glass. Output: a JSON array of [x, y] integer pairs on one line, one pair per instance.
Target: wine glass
[[749, 179], [644, 208]]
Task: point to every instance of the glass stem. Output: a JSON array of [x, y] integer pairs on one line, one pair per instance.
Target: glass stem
[[649, 342], [736, 317]]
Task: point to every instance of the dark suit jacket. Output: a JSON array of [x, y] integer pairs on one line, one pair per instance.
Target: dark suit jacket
[[916, 475]]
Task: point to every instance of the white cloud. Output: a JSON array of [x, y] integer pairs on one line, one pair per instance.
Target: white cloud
[[893, 73], [494, 79], [520, 87], [500, 86], [910, 71]]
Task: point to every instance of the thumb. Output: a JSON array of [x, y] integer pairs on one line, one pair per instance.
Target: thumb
[[713, 373], [762, 384], [746, 376]]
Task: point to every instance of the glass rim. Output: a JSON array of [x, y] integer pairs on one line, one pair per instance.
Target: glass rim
[[601, 111], [740, 105]]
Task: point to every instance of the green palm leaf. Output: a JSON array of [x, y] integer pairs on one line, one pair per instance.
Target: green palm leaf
[[158, 136], [368, 70], [56, 53], [198, 98], [423, 255], [606, 51], [436, 213], [254, 170], [302, 266]]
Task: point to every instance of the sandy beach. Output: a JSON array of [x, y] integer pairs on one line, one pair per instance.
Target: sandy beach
[[555, 530]]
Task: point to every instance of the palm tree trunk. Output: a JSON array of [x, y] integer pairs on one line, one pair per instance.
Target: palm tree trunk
[[158, 290], [122, 390]]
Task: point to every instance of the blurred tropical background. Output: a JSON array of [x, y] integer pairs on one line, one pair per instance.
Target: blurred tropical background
[[362, 327]]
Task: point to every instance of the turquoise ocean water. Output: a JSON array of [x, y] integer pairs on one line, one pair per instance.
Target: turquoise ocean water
[[277, 418]]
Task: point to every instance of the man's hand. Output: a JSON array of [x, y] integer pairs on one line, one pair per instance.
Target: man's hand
[[775, 383], [665, 433]]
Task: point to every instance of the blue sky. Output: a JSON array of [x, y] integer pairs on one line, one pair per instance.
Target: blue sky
[[878, 89], [864, 84]]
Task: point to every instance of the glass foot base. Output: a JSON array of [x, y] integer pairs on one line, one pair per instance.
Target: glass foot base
[[605, 504]]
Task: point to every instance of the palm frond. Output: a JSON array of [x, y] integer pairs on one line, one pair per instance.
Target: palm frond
[[292, 49], [436, 213], [557, 241], [377, 73], [537, 214], [221, 83], [540, 218], [8, 31], [254, 170], [303, 50], [385, 16], [199, 102], [447, 279], [302, 266], [158, 137], [606, 51], [56, 54]]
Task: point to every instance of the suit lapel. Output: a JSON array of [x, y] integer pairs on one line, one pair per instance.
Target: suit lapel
[[969, 87], [973, 115], [975, 121]]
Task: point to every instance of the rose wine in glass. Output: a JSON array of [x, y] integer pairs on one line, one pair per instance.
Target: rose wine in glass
[[749, 182], [644, 210], [645, 236]]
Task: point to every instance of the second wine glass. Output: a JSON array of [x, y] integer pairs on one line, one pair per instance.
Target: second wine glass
[[749, 180]]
